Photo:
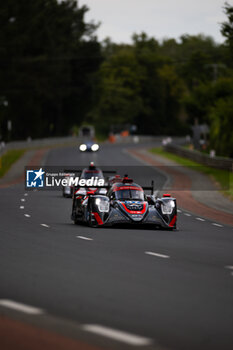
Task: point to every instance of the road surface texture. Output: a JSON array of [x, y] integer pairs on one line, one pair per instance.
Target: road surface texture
[[66, 286]]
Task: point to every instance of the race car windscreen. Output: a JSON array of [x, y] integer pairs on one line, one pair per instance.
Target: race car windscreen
[[88, 174], [130, 194]]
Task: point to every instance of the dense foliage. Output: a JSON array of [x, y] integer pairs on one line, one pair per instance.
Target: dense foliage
[[152, 84], [165, 87], [47, 55]]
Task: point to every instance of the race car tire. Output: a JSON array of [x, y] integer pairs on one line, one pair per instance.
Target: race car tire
[[172, 228], [74, 218], [89, 218], [76, 222], [90, 222]]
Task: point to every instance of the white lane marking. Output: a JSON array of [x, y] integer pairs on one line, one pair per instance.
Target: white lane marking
[[200, 219], [26, 194], [158, 255], [27, 215], [20, 307], [229, 267], [187, 214], [21, 207], [44, 225], [115, 334], [218, 225], [22, 200], [179, 211], [85, 238]]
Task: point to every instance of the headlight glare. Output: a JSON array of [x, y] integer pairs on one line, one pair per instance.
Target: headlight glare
[[83, 147], [167, 207], [102, 204], [94, 147]]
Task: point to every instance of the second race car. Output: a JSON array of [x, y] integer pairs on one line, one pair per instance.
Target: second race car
[[86, 173], [89, 146]]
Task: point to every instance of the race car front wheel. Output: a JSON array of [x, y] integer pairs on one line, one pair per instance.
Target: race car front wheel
[[91, 220]]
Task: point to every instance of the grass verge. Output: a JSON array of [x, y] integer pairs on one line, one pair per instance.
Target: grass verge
[[219, 176], [8, 159]]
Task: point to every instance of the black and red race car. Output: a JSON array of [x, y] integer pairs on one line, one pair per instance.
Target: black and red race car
[[86, 173], [123, 203]]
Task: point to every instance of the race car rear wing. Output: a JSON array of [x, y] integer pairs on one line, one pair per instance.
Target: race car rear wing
[[80, 170], [149, 188], [109, 171], [71, 171], [145, 188]]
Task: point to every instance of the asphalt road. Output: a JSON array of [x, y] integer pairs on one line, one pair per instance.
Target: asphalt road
[[175, 288]]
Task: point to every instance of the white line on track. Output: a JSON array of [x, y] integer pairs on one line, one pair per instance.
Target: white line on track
[[21, 207], [85, 238], [45, 225], [27, 215], [20, 307], [115, 334], [179, 211], [158, 255], [26, 194], [22, 200], [200, 219], [218, 225], [187, 214]]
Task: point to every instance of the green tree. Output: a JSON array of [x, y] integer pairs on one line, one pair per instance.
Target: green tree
[[197, 103], [221, 118], [172, 88], [138, 85], [118, 98], [161, 88], [48, 53], [227, 29]]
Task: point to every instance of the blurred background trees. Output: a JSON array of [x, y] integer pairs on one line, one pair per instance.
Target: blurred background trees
[[47, 55], [55, 75]]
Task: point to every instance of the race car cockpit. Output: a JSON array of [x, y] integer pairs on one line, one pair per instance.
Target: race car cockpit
[[129, 194], [91, 171]]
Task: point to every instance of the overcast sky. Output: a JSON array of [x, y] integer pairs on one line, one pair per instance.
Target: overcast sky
[[158, 18]]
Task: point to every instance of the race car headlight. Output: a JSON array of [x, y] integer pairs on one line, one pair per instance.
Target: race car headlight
[[167, 207], [83, 147], [95, 147], [102, 204]]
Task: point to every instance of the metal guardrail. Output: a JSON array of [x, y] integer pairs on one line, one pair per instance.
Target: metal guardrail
[[68, 140], [138, 139], [205, 159]]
